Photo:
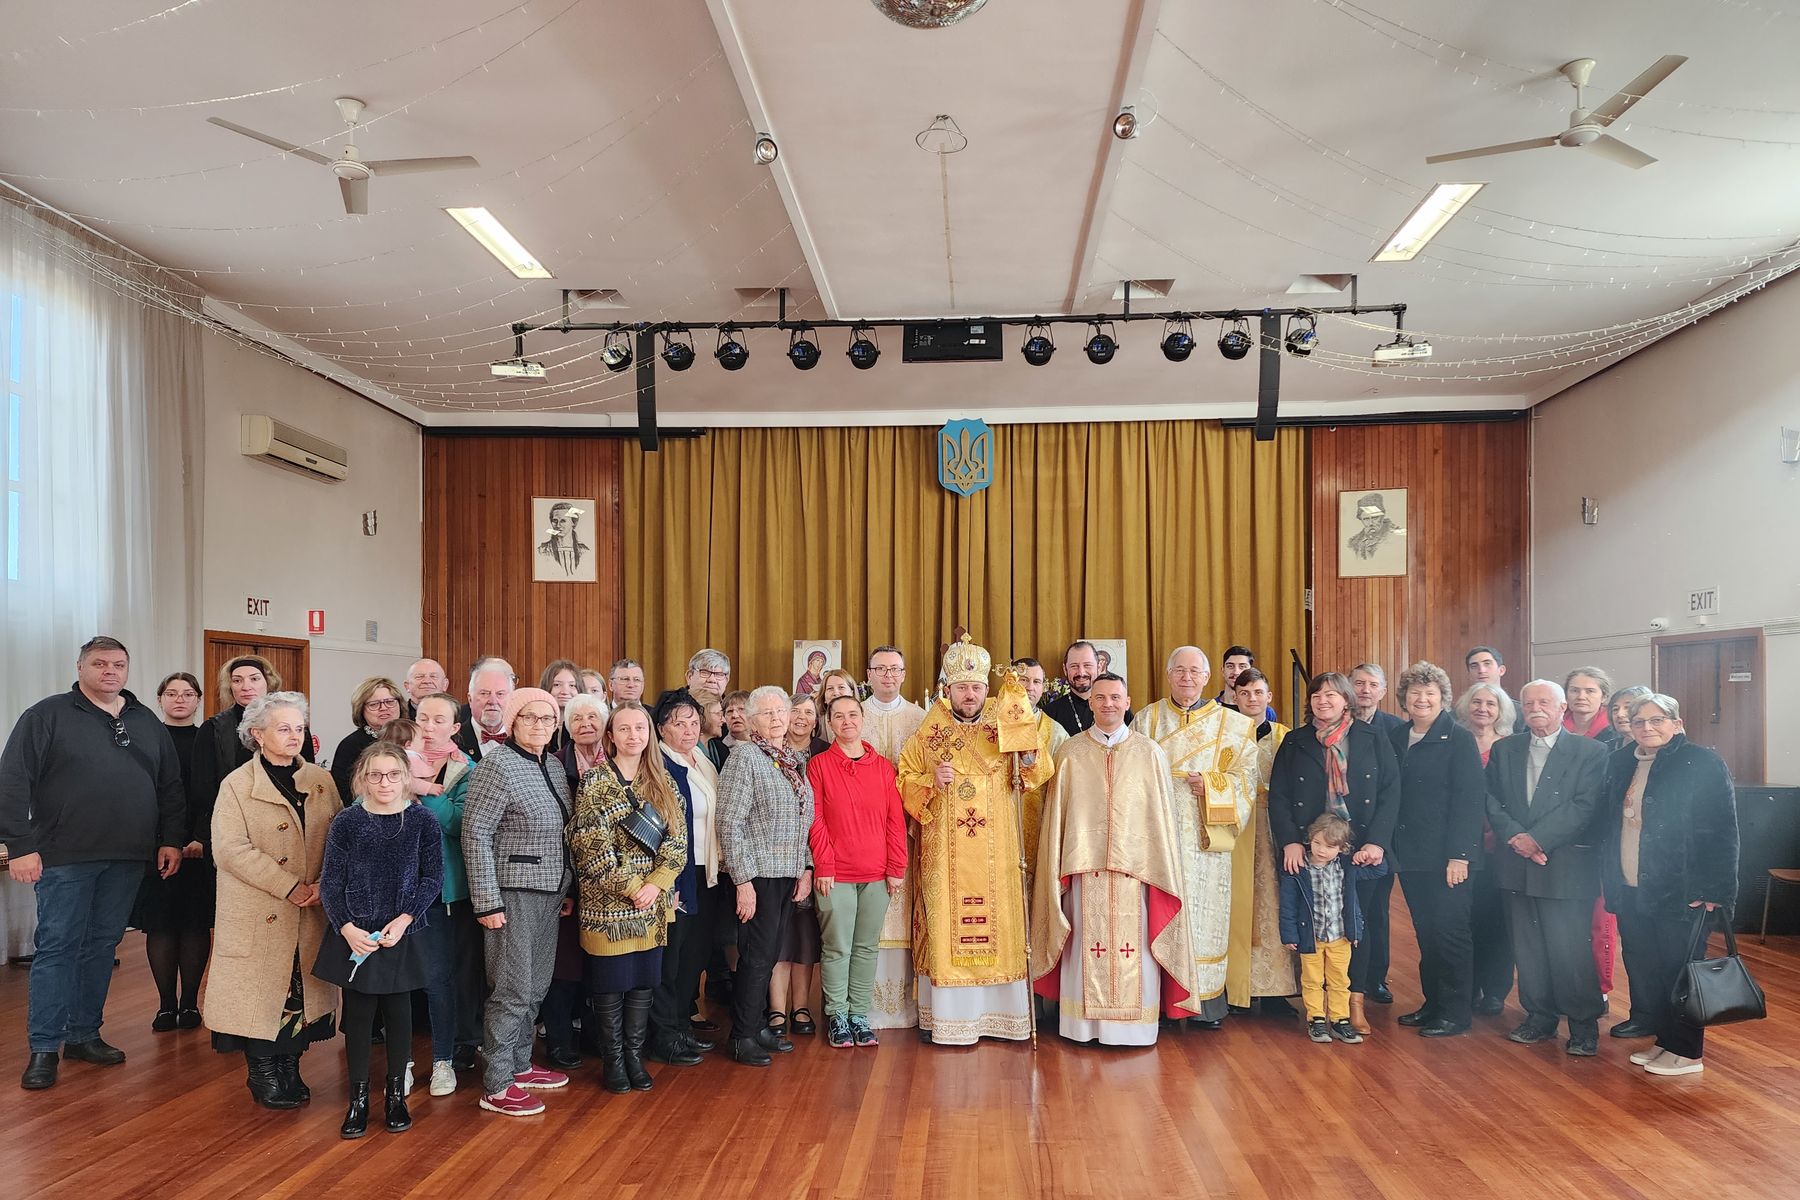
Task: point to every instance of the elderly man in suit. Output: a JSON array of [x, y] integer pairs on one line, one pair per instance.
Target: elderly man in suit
[[1543, 793]]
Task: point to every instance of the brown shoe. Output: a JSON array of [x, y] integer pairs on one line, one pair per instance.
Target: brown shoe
[[1359, 1021]]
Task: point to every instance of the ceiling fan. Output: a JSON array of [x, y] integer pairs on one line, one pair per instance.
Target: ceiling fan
[[352, 170], [1587, 127]]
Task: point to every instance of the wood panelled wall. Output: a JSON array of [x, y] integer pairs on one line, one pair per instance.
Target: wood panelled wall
[[1468, 529], [479, 546]]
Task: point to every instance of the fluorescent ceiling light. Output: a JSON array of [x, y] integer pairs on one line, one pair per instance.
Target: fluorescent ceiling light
[[1433, 213], [486, 229]]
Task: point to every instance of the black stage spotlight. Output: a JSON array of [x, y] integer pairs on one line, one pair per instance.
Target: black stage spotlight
[[1235, 343], [1302, 334], [1038, 345], [1178, 340], [615, 352], [803, 352], [1103, 345], [679, 355], [863, 351], [732, 354]]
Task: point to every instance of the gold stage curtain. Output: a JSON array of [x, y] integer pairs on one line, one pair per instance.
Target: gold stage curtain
[[1162, 533]]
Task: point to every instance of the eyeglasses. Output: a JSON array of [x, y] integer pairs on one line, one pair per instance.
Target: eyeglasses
[[886, 670], [1651, 722], [706, 674], [121, 736], [541, 722], [385, 776], [390, 702]]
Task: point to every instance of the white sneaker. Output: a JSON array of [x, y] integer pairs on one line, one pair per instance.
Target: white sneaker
[[1646, 1057], [443, 1077], [1674, 1064]]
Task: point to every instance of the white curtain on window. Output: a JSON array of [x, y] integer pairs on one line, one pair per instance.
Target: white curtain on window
[[100, 421]]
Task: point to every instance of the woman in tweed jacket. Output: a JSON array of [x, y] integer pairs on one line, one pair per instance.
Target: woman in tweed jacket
[[513, 841], [627, 901], [765, 815]]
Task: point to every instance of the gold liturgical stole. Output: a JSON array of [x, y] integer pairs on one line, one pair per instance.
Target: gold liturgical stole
[[1112, 961]]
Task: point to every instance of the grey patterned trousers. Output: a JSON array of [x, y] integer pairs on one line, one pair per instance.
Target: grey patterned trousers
[[520, 955]]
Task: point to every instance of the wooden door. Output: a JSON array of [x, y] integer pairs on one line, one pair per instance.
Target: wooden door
[[289, 656], [1717, 678]]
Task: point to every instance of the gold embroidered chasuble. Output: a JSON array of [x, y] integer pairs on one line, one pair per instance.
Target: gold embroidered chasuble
[[1109, 817], [1219, 746], [969, 927], [1257, 963]]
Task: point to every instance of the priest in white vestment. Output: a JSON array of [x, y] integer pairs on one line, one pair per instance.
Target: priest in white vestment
[[889, 720]]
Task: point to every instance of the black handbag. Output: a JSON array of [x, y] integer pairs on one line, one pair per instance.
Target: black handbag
[[1717, 991], [645, 826]]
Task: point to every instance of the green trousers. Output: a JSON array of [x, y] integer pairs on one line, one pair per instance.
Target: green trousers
[[850, 938]]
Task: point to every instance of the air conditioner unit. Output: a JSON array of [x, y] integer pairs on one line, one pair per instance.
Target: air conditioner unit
[[270, 440]]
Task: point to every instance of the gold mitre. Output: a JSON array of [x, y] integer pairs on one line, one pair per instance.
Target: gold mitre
[[965, 662]]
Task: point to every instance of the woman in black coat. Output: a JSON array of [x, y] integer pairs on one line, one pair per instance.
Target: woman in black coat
[[1367, 792], [1669, 860], [1437, 842], [217, 750]]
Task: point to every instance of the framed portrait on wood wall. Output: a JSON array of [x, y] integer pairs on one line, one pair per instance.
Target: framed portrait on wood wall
[[1372, 532], [560, 529]]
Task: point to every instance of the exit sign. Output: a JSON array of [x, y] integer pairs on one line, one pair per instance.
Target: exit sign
[[1703, 602], [256, 606]]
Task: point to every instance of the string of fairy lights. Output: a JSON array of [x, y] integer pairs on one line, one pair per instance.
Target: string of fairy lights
[[1620, 260]]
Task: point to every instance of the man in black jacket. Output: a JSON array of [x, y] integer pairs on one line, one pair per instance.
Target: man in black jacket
[[90, 791], [1070, 708], [1543, 789], [1369, 681]]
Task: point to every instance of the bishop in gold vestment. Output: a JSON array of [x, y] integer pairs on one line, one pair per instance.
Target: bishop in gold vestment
[[969, 927], [888, 725], [1108, 938], [1213, 769]]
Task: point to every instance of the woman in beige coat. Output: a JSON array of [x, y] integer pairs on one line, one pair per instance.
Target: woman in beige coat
[[268, 838]]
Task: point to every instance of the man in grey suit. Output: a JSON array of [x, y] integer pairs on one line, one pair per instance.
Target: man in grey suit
[[1543, 792]]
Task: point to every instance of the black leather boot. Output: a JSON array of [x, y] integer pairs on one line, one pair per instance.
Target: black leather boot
[[287, 1068], [356, 1117], [40, 1071], [608, 1010], [399, 1120], [265, 1084], [637, 1024]]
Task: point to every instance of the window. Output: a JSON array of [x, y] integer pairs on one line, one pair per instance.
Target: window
[[12, 441]]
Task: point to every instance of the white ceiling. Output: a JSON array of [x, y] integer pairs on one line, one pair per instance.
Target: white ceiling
[[1281, 139]]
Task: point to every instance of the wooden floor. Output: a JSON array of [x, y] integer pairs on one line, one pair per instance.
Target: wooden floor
[[1255, 1110]]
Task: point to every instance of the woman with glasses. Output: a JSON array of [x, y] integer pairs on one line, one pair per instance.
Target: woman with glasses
[[1670, 860], [268, 839], [374, 705], [383, 869], [176, 914], [516, 850]]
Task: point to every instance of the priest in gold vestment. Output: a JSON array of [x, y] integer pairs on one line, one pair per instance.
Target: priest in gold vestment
[[969, 926], [889, 721], [1109, 940], [1258, 966], [1213, 768]]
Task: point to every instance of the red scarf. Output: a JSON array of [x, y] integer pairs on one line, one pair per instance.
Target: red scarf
[[1600, 724], [1337, 765]]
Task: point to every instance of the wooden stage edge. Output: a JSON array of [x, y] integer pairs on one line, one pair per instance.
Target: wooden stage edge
[[1253, 1110]]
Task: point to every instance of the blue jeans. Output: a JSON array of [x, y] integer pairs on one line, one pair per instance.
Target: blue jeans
[[455, 989], [82, 910]]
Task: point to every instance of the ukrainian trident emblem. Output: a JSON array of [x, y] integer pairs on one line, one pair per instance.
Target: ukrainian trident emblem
[[965, 456]]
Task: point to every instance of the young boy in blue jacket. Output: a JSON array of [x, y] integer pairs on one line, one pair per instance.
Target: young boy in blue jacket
[[1321, 920]]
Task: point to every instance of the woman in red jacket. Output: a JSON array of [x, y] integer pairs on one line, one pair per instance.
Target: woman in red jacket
[[859, 858]]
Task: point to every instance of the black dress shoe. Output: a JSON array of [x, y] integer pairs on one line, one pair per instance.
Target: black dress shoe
[[1584, 1045], [1203, 1023], [563, 1058], [773, 1042], [94, 1051], [698, 1045], [1533, 1030], [40, 1071], [1490, 1006], [925, 1037], [463, 1058], [1419, 1016], [1381, 995], [187, 1018], [164, 1022], [675, 1053], [750, 1052], [1277, 1006], [1632, 1028], [1443, 1029]]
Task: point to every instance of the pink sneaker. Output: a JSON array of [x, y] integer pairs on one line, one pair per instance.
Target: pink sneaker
[[540, 1079], [515, 1101]]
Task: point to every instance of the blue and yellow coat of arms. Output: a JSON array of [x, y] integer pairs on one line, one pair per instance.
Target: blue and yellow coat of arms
[[965, 456]]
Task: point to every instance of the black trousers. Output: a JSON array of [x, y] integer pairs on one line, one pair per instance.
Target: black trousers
[[359, 1025], [1656, 949], [557, 1012], [1488, 930], [1369, 957], [1440, 916], [1553, 942], [759, 941], [691, 940]]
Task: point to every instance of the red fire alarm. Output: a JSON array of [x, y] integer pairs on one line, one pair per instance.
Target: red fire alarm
[[315, 621]]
